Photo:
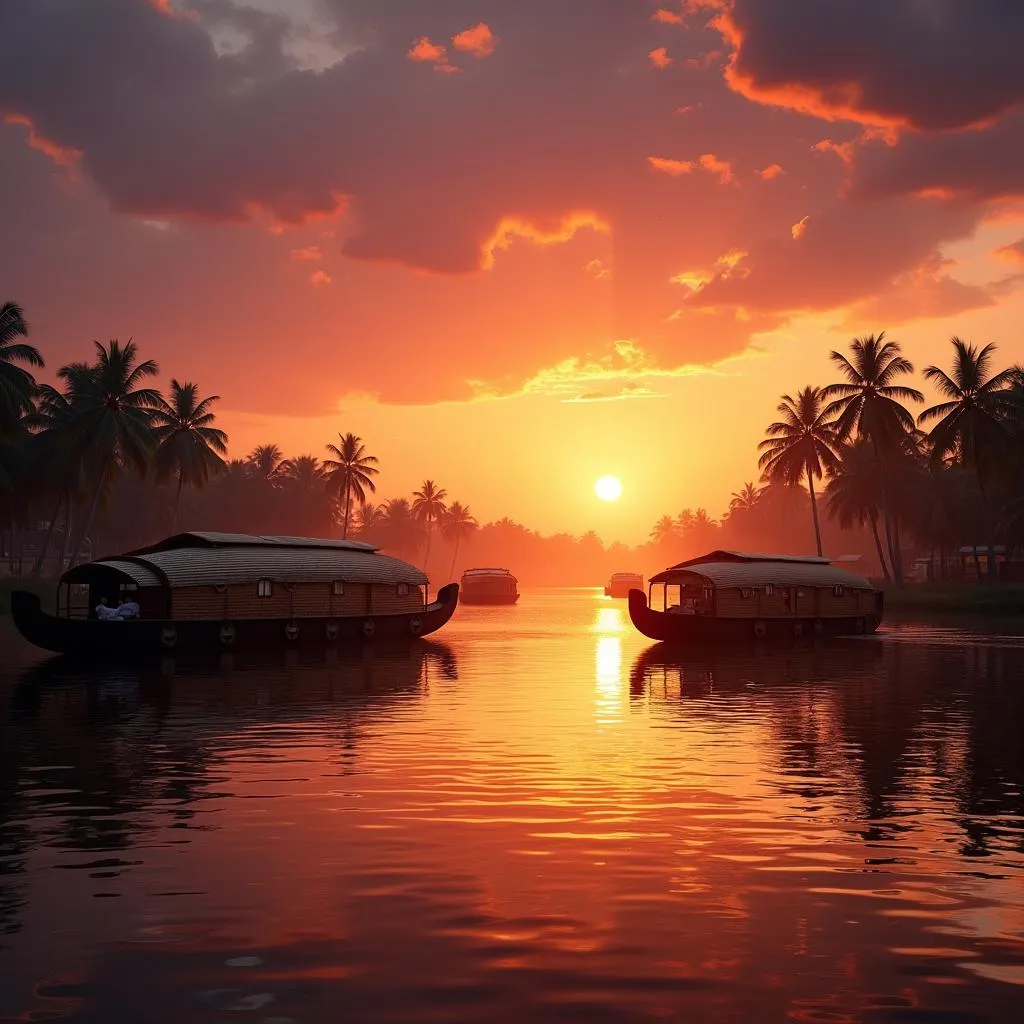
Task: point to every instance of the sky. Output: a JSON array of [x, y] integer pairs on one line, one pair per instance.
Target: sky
[[514, 246]]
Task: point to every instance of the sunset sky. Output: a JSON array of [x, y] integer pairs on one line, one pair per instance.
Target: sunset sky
[[514, 244]]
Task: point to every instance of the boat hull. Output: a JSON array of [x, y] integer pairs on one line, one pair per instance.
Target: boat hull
[[93, 638], [696, 630], [506, 599]]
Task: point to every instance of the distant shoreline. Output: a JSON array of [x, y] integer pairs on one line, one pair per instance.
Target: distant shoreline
[[963, 598]]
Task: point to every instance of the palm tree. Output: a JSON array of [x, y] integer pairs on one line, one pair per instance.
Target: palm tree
[[458, 525], [368, 519], [664, 530], [867, 404], [188, 445], [266, 462], [401, 530], [17, 385], [973, 421], [305, 473], [350, 473], [745, 499], [112, 420], [802, 443], [854, 494], [428, 507]]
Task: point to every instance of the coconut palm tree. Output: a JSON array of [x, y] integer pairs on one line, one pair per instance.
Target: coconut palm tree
[[402, 533], [854, 494], [350, 473], [17, 385], [368, 519], [266, 461], [802, 443], [189, 447], [868, 404], [112, 421], [304, 473], [745, 499], [665, 530], [457, 526], [973, 421], [428, 507]]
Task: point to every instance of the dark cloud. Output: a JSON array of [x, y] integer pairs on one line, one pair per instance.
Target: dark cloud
[[927, 64]]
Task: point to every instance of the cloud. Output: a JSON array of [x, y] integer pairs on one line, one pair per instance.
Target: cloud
[[309, 252], [799, 229], [659, 58], [319, 278], [770, 172], [1012, 253], [514, 173], [929, 66], [479, 40]]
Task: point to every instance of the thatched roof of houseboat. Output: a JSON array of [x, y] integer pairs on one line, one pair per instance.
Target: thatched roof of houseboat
[[219, 559], [739, 569]]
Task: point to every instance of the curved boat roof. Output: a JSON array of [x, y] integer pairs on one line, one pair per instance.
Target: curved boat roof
[[738, 569], [189, 560], [627, 576], [487, 572]]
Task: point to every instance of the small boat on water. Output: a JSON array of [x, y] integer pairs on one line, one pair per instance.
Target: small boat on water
[[225, 591], [728, 596], [622, 583], [489, 586]]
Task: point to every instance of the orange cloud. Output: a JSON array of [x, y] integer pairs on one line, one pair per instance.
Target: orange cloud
[[673, 167], [705, 60], [659, 58], [843, 150], [478, 40], [597, 269], [667, 17], [771, 171], [800, 227], [319, 278], [561, 231], [310, 252], [425, 51], [1013, 253], [721, 168], [63, 156]]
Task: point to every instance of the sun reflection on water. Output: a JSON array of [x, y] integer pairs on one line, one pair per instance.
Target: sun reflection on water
[[608, 666]]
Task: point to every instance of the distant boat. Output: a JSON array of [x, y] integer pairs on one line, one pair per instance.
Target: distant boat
[[489, 586], [726, 596], [622, 583], [225, 591]]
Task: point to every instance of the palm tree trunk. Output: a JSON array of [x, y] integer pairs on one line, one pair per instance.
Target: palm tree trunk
[[426, 557], [455, 554], [41, 560], [177, 502], [348, 504], [92, 510], [878, 547], [887, 519], [814, 510], [68, 524]]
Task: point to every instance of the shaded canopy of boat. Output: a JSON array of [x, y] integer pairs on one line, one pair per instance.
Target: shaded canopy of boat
[[746, 569], [219, 559], [487, 572]]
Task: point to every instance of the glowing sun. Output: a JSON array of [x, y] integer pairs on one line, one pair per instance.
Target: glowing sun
[[608, 488]]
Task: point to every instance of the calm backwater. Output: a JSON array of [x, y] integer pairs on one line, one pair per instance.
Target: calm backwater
[[534, 819]]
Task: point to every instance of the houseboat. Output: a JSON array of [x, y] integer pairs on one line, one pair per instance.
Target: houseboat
[[622, 583], [489, 586], [727, 596], [224, 591]]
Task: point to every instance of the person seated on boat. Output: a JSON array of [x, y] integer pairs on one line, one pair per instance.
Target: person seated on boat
[[128, 609], [104, 611]]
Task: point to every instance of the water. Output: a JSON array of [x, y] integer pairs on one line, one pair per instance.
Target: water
[[534, 819]]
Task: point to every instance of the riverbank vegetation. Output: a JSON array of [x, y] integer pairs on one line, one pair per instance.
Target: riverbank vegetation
[[105, 462]]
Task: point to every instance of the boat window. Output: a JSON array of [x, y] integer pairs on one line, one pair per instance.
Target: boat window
[[403, 589], [265, 588], [768, 590], [747, 592], [337, 588], [837, 590], [800, 592]]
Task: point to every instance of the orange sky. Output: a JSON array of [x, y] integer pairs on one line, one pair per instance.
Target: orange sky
[[514, 247]]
